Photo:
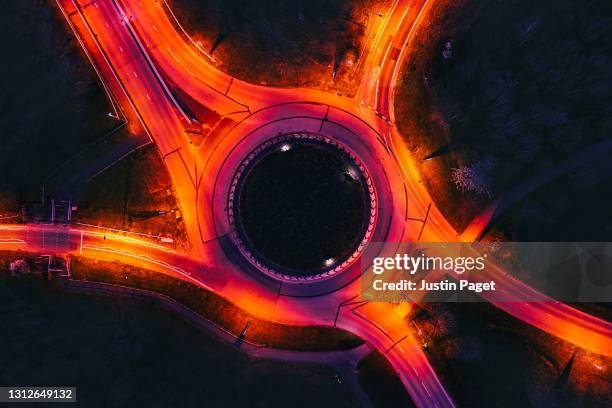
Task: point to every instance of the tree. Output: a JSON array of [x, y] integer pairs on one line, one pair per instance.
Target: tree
[[474, 178]]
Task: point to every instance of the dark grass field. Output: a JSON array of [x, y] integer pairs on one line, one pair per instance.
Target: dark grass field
[[51, 103], [287, 43], [300, 208], [513, 89], [381, 382], [487, 358], [124, 353]]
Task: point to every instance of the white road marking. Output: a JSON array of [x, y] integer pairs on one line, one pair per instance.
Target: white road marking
[[173, 56], [402, 19], [425, 388]]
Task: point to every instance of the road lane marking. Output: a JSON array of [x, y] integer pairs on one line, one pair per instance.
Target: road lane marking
[[402, 19], [122, 238], [173, 56], [379, 73], [12, 241], [11, 228], [385, 24], [152, 260], [425, 388]]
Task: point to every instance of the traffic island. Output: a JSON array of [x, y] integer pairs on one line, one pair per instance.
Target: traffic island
[[301, 207]]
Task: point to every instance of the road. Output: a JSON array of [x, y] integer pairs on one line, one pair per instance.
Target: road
[[168, 87]]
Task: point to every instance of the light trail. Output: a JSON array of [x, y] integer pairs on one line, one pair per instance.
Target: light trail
[[149, 259], [8, 241], [125, 239]]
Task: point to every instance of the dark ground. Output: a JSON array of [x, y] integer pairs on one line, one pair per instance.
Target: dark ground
[[381, 382], [51, 103], [122, 353], [300, 207], [486, 358], [525, 86], [286, 43]]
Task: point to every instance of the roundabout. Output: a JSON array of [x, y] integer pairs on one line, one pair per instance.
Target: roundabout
[[159, 81], [303, 226]]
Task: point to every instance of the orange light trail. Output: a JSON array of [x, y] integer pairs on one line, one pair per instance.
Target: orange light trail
[[131, 240], [148, 259], [130, 56]]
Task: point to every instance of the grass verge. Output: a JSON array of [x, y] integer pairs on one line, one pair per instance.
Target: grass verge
[[136, 194], [380, 381], [126, 352], [216, 309]]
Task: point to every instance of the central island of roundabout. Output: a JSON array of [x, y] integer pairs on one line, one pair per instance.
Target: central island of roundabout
[[302, 206], [295, 192]]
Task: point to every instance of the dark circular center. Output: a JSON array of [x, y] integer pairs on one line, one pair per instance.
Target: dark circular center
[[302, 206]]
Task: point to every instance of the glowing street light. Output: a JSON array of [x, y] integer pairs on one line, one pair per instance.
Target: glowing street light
[[351, 173]]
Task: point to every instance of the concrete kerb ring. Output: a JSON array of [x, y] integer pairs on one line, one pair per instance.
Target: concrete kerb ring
[[326, 272]]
